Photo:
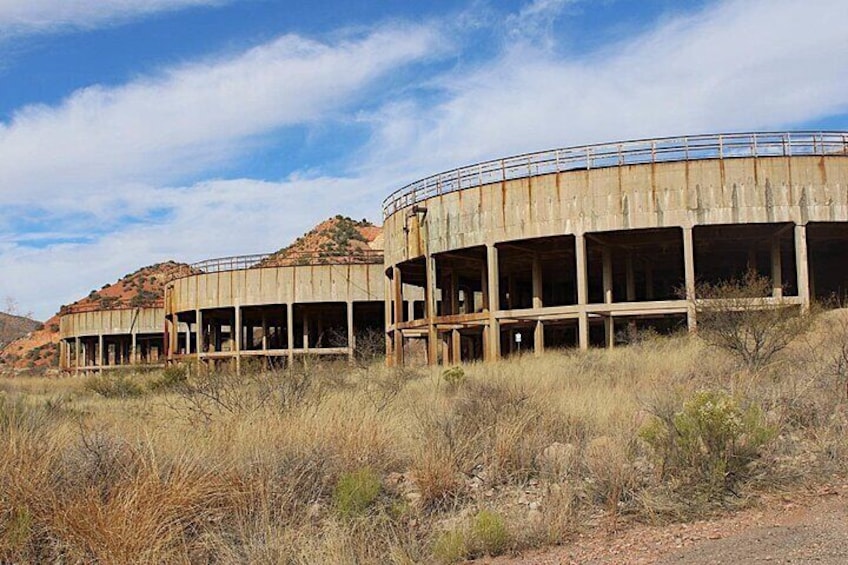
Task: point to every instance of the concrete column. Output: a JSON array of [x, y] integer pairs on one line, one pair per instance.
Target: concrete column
[[188, 338], [539, 330], [609, 326], [606, 257], [264, 331], [77, 354], [237, 337], [494, 330], [689, 273], [430, 297], [387, 319], [198, 337], [630, 278], [582, 290], [802, 266], [456, 347], [290, 332], [776, 269], [305, 329], [351, 337], [134, 348], [100, 356], [397, 295]]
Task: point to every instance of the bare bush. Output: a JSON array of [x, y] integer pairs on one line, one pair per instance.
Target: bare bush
[[737, 316]]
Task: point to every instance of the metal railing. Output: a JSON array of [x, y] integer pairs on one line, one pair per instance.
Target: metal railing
[[99, 306], [637, 152], [242, 262]]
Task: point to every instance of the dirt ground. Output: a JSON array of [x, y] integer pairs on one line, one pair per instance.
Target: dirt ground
[[804, 527]]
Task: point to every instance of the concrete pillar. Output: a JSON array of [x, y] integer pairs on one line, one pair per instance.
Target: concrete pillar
[[582, 290], [77, 354], [134, 348], [387, 319], [456, 347], [305, 329], [494, 330], [689, 274], [430, 297], [776, 269], [264, 331], [198, 336], [630, 278], [802, 266], [290, 333], [237, 337], [539, 330], [351, 337], [100, 356], [397, 296], [188, 338], [609, 326]]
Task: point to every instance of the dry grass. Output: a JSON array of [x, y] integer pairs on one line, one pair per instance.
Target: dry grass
[[249, 469]]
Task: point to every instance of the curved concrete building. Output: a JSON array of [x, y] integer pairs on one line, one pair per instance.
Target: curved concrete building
[[96, 339], [237, 308], [568, 247]]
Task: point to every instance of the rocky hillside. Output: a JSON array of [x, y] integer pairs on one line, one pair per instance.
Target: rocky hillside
[[12, 327], [39, 349], [143, 288], [336, 240]]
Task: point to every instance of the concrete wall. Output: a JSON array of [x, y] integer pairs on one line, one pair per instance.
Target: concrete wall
[[685, 194], [112, 322], [277, 285]]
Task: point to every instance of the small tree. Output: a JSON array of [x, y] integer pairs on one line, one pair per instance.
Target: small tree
[[738, 316]]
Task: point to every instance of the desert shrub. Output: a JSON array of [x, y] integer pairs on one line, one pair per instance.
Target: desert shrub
[[489, 533], [454, 377], [113, 387], [736, 316], [451, 546], [356, 491], [172, 378], [710, 442]]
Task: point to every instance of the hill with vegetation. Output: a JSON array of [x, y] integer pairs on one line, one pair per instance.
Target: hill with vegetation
[[335, 240], [12, 327]]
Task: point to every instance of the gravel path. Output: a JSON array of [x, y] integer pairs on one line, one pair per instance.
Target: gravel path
[[804, 528]]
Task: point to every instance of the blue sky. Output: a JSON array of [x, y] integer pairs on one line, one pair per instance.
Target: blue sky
[[136, 131]]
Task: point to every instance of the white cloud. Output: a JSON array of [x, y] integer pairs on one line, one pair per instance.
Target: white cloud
[[19, 17], [736, 65], [156, 129]]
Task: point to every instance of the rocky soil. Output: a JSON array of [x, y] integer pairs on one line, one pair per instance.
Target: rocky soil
[[801, 527]]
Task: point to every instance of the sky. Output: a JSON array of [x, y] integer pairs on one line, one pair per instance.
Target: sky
[[138, 131]]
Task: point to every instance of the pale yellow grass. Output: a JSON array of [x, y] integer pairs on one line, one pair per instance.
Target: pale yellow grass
[[149, 479]]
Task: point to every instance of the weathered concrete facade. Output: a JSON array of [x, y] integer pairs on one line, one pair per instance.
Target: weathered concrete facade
[[274, 313], [566, 246], [93, 340]]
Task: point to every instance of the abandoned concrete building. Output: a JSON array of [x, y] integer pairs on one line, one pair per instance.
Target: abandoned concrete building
[[561, 248], [564, 248], [91, 339], [241, 308]]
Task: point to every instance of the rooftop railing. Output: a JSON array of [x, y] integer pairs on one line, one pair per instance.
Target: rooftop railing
[[241, 262], [637, 152]]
